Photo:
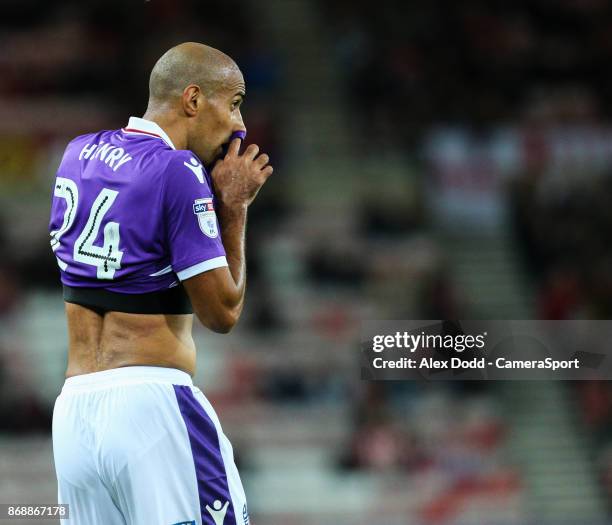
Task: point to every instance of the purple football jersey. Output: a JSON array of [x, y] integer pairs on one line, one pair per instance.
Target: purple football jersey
[[131, 214]]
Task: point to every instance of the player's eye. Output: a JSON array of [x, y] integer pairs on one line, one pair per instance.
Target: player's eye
[[236, 104]]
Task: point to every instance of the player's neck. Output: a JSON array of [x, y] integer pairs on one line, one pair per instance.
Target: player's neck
[[171, 127]]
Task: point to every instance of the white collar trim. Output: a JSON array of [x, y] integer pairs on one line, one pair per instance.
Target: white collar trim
[[147, 127]]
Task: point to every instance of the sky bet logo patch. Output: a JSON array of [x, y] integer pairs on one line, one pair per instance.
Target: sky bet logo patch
[[204, 210], [201, 207]]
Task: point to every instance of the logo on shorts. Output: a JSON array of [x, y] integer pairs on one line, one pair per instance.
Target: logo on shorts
[[192, 522], [218, 511], [207, 218], [245, 515]]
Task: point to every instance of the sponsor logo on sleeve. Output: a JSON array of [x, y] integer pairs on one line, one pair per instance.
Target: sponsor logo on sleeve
[[196, 169], [204, 210]]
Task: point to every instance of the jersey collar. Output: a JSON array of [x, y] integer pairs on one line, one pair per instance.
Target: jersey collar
[[143, 126]]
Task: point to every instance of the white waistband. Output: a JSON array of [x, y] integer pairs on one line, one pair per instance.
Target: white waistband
[[126, 375]]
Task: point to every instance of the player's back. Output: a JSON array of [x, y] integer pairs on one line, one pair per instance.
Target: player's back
[[107, 225], [131, 217]]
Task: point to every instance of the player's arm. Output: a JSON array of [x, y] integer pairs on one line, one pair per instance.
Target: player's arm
[[217, 296]]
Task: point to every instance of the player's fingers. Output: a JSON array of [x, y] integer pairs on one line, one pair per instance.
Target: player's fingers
[[262, 160], [234, 147], [252, 151], [267, 171]]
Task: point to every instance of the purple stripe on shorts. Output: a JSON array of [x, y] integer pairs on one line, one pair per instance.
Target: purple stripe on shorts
[[213, 489]]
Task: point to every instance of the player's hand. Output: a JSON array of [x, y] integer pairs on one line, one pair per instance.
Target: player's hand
[[237, 178]]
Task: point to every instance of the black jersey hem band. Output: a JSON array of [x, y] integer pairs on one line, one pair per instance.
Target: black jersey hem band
[[173, 301]]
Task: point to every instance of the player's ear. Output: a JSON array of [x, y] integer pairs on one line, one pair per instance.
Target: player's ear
[[192, 100]]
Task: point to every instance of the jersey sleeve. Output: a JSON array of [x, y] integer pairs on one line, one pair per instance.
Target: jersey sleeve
[[192, 229]]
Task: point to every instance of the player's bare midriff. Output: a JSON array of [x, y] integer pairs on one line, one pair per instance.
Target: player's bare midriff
[[116, 339]]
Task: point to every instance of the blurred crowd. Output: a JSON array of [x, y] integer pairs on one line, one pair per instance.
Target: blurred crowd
[[537, 66], [564, 234], [595, 404], [409, 65]]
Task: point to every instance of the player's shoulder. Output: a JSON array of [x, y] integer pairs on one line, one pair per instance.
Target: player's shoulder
[[178, 156], [88, 137], [183, 167], [76, 145]]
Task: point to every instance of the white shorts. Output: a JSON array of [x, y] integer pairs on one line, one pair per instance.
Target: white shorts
[[141, 445]]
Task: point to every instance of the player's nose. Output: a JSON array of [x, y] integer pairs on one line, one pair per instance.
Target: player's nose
[[239, 125]]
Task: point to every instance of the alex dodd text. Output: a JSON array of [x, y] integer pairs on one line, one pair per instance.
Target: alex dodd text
[[476, 363]]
